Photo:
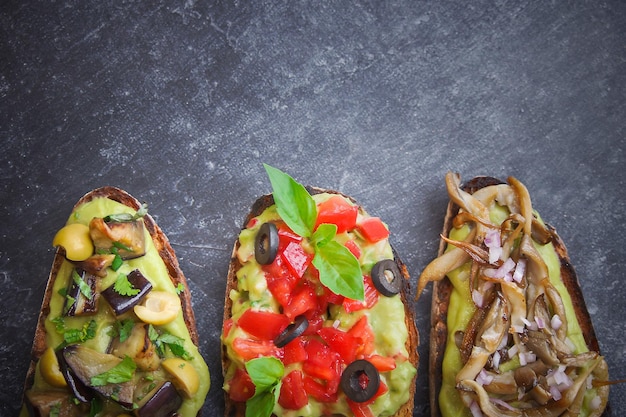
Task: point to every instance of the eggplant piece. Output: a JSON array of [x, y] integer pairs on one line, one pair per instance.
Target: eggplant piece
[[127, 239], [139, 347], [163, 403], [85, 363], [81, 392], [97, 264], [82, 301], [122, 303], [42, 403]]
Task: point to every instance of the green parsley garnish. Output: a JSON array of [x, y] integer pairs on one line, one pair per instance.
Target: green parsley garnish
[[70, 336], [122, 328], [180, 288], [127, 217], [339, 269], [167, 340], [84, 288], [122, 286], [122, 372]]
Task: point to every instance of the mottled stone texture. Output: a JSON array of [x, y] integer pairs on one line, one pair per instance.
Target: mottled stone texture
[[180, 102]]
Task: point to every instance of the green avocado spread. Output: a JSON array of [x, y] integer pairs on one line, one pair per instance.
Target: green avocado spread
[[154, 269], [386, 319]]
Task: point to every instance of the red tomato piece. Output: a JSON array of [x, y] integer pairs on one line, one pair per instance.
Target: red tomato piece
[[319, 391], [241, 386], [293, 396], [294, 351], [364, 333], [264, 325], [382, 363], [373, 229], [296, 259], [280, 281], [330, 297], [303, 299], [338, 211], [360, 409], [250, 349], [228, 324], [354, 248], [341, 342], [321, 361], [371, 297]]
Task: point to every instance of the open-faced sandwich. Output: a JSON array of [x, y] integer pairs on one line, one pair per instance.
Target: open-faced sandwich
[[116, 335], [510, 335], [317, 319]]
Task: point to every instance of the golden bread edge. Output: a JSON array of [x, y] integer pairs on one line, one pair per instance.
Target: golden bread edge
[[234, 409]]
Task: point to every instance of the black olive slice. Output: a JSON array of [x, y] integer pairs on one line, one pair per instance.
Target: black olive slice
[[360, 380], [266, 244], [386, 277], [292, 331]]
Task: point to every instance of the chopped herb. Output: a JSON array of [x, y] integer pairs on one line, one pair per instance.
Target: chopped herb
[[122, 372], [70, 336], [120, 245], [84, 288], [95, 407], [117, 262], [55, 410], [180, 288], [122, 328], [127, 217], [123, 286], [167, 340]]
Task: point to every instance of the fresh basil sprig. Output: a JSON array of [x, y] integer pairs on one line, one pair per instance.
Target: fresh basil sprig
[[339, 269], [266, 374]]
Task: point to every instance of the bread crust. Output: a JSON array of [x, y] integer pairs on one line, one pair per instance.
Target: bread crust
[[164, 249], [237, 409], [442, 290]]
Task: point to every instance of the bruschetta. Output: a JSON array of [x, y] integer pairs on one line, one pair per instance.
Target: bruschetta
[[317, 320], [116, 335]]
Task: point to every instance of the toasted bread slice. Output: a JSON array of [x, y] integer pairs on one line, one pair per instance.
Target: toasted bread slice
[[176, 276], [238, 409], [443, 288]]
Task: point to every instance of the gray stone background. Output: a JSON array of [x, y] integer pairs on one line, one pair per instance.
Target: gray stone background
[[180, 102]]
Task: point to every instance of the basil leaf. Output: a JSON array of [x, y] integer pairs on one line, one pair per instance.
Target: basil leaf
[[122, 372], [293, 202], [262, 405], [325, 233], [339, 270], [265, 371]]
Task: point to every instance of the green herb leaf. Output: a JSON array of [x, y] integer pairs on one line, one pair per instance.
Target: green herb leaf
[[339, 270], [117, 262], [123, 286], [324, 234], [122, 372], [166, 340], [84, 288], [295, 205], [55, 410], [266, 374], [180, 288], [127, 217], [87, 332], [123, 329]]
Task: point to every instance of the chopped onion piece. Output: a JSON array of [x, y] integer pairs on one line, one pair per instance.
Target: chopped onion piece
[[336, 323], [527, 357], [502, 404], [495, 360], [595, 403], [483, 378], [478, 299], [475, 409], [520, 270], [556, 322], [541, 324], [494, 254], [492, 239], [556, 394], [514, 349]]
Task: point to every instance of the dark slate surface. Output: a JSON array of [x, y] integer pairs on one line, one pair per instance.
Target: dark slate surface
[[180, 102]]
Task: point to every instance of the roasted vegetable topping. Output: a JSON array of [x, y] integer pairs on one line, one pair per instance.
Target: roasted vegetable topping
[[127, 291]]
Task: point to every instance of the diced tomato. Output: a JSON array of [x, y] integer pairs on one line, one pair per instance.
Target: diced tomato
[[364, 333], [382, 363], [321, 361], [228, 324], [332, 298], [338, 211], [373, 229], [341, 342], [359, 409], [292, 393], [286, 235], [250, 349], [303, 299], [280, 281], [294, 351], [296, 259], [316, 321], [264, 325], [319, 391], [253, 221], [241, 386], [354, 248], [371, 297]]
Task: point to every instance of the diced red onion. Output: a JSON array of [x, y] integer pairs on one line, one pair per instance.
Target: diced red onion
[[483, 378], [526, 358], [478, 299], [541, 324], [494, 254], [492, 239], [336, 323], [529, 324], [520, 270], [495, 360], [513, 350], [595, 403], [556, 322], [556, 394], [502, 404], [475, 409]]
